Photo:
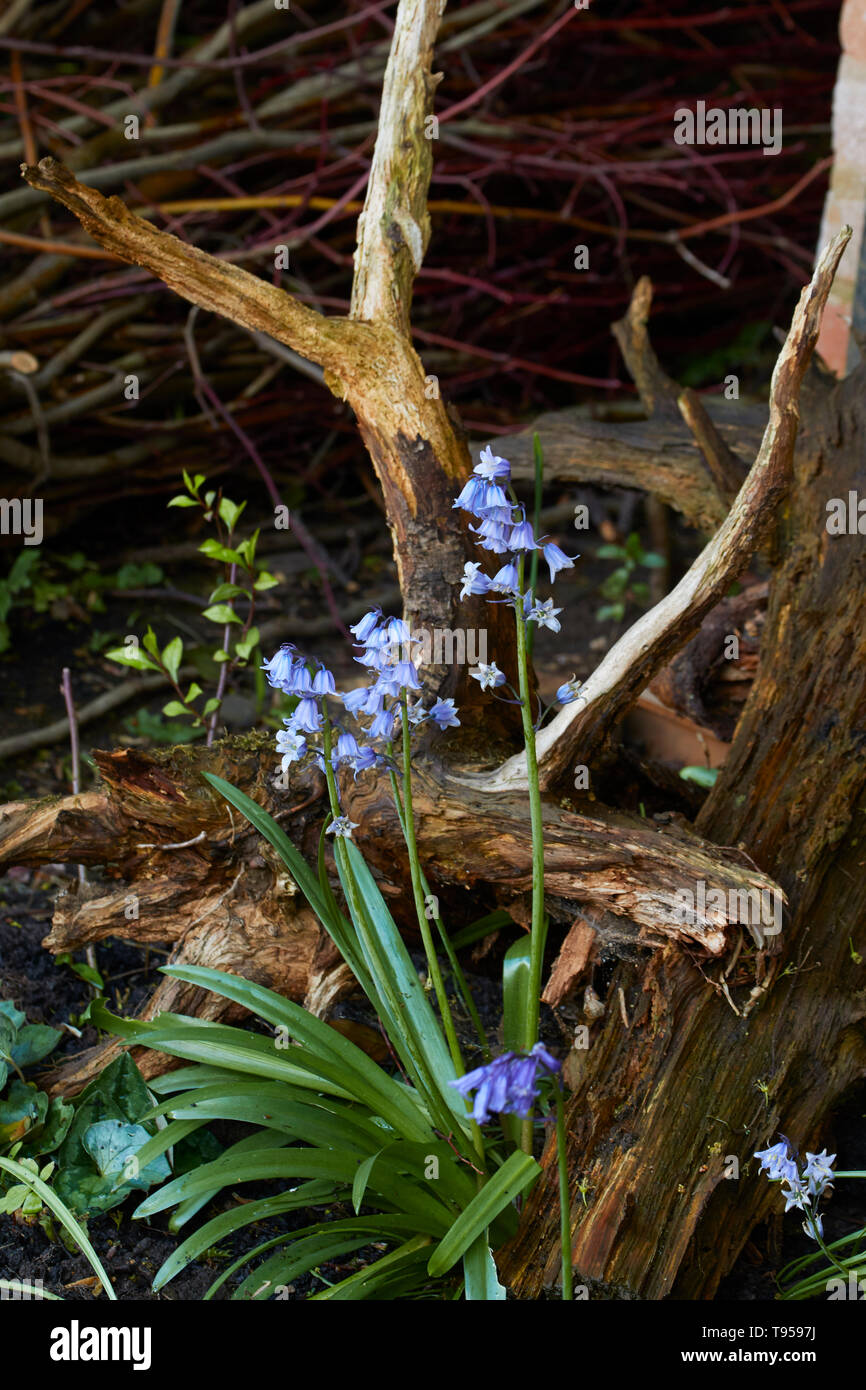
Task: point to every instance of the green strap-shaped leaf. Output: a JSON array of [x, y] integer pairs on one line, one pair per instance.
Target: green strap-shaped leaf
[[325, 1051], [480, 1274], [363, 1077], [515, 993], [313, 1245], [516, 1173], [410, 1017], [64, 1216], [309, 1194], [373, 1280]]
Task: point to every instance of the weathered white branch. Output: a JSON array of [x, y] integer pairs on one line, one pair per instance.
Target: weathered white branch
[[577, 732], [394, 228]]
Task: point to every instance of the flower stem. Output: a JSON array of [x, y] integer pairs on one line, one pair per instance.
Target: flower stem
[[538, 458], [459, 977], [564, 1209], [536, 948], [418, 894]]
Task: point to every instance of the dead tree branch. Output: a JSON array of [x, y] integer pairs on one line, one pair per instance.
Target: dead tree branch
[[580, 728]]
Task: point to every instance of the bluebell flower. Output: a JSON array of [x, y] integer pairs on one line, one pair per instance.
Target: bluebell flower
[[291, 745], [490, 466], [377, 695], [353, 700], [493, 496], [341, 825], [795, 1194], [299, 682], [364, 626], [367, 757], [475, 581], [307, 716], [346, 750], [545, 615], [396, 630], [323, 682], [416, 712], [568, 692], [489, 675], [818, 1171], [496, 536], [371, 656], [523, 536], [383, 725], [506, 580], [279, 668], [508, 1085], [776, 1161], [444, 714], [471, 496], [556, 559], [406, 676]]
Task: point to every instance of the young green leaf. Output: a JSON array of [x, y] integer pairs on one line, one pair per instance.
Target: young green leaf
[[215, 550], [172, 655], [224, 591], [174, 708], [138, 662], [221, 613], [229, 512]]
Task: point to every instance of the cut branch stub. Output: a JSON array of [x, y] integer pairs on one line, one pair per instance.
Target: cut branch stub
[[657, 390], [725, 468]]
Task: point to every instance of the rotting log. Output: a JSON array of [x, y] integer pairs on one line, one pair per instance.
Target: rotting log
[[185, 870], [657, 1107]]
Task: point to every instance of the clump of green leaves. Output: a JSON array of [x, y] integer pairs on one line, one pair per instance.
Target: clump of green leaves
[[93, 1142], [621, 588], [52, 586], [30, 1123], [231, 605]]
